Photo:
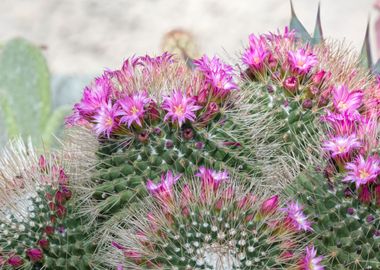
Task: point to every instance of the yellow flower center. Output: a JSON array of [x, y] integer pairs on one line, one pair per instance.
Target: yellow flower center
[[300, 63], [363, 174], [341, 149], [256, 59], [342, 105], [134, 110], [109, 122], [179, 110]]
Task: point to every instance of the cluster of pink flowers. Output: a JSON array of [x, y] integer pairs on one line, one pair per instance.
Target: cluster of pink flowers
[[352, 137], [112, 105]]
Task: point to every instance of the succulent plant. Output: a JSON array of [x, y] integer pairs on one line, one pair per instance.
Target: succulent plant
[[25, 83], [345, 231], [155, 115], [38, 228], [209, 222]]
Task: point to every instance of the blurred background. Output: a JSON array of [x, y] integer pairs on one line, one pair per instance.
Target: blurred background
[[80, 38]]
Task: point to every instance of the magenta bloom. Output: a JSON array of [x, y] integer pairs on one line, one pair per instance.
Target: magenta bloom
[[301, 61], [296, 218], [342, 123], [217, 74], [179, 108], [270, 205], [34, 254], [341, 146], [105, 119], [311, 261], [163, 190], [363, 171], [345, 100], [132, 109], [256, 54], [15, 261], [211, 178], [93, 97]]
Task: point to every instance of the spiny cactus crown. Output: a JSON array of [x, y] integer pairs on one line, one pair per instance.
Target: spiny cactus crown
[[210, 222], [38, 228]]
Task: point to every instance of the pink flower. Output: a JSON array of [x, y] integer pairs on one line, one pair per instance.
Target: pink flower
[[345, 100], [270, 205], [311, 261], [132, 108], [179, 108], [341, 146], [362, 171], [296, 218], [94, 97], [365, 195], [15, 261], [217, 74], [291, 84], [164, 189], [301, 61], [105, 119], [256, 54], [342, 123], [210, 178], [34, 254]]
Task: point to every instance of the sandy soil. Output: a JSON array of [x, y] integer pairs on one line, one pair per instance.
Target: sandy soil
[[85, 36]]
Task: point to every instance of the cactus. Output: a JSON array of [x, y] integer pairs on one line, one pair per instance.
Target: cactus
[[25, 83], [157, 115], [345, 231], [209, 222], [38, 228]]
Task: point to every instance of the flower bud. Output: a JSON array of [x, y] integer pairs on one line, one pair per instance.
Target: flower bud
[[15, 261], [270, 205], [291, 84], [34, 254]]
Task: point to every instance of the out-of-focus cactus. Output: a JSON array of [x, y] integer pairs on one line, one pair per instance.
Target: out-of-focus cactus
[[38, 229], [25, 96], [209, 222]]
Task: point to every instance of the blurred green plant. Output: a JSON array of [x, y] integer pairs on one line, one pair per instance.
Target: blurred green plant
[[25, 94]]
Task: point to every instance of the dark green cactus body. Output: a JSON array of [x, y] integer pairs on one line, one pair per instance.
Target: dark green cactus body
[[288, 120], [345, 230], [65, 243], [124, 168]]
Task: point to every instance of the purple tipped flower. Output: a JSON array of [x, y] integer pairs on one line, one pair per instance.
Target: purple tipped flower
[[179, 108], [256, 54], [105, 119], [341, 146], [164, 189], [311, 261], [212, 178], [362, 171], [296, 218], [301, 61], [270, 205], [217, 74], [345, 100], [132, 109]]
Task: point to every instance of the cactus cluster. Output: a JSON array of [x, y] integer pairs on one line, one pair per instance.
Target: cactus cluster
[[190, 164]]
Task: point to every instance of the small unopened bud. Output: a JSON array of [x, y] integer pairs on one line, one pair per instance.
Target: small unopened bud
[[143, 136], [270, 205], [307, 104], [291, 84], [34, 254]]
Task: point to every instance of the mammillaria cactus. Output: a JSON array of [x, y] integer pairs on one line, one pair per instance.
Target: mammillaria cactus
[[345, 231], [210, 222], [290, 82], [154, 115], [38, 230]]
